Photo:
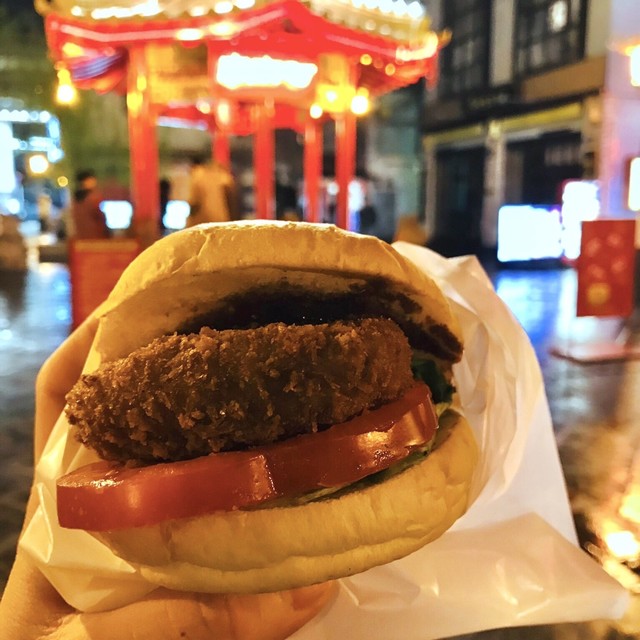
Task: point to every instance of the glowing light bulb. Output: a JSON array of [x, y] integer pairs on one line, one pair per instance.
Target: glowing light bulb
[[331, 95], [360, 104], [623, 545], [315, 111], [66, 93], [189, 35]]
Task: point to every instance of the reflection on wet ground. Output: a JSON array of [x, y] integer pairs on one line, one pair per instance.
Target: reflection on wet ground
[[34, 320], [595, 410]]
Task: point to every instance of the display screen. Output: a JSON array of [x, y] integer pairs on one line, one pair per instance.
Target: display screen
[[176, 214], [118, 213]]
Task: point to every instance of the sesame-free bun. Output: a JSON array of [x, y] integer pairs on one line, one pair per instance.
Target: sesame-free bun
[[236, 274], [272, 549], [204, 270]]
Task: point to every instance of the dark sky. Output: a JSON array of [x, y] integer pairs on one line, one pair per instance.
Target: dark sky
[[15, 6]]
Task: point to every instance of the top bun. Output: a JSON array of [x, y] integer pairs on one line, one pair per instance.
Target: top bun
[[197, 276]]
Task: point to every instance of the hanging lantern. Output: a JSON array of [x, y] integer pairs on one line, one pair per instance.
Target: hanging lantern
[[66, 93], [334, 92]]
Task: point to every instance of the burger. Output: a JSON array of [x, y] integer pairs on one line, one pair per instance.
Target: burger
[[270, 407]]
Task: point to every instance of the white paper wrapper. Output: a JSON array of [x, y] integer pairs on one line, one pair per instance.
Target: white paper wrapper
[[511, 560]]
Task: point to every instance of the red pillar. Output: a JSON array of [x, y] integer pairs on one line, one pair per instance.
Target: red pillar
[[143, 149], [345, 163], [264, 161], [313, 144], [221, 148]]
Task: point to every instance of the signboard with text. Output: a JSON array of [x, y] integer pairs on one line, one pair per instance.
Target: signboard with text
[[606, 268], [95, 266]]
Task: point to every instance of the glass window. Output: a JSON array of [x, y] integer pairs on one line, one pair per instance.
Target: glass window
[[464, 62], [549, 34]]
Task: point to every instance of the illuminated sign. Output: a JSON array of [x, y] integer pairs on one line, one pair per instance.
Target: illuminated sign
[[580, 202], [633, 185], [634, 62], [526, 232], [235, 71]]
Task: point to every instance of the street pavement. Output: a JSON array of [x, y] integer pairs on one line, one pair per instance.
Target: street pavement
[[595, 408]]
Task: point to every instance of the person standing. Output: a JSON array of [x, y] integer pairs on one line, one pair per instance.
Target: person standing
[[88, 220], [211, 194]]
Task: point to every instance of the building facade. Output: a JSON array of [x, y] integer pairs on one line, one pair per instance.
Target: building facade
[[531, 93]]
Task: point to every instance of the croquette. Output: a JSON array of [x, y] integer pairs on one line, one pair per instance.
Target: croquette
[[184, 396]]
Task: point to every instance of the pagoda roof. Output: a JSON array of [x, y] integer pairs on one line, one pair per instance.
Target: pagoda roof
[[388, 44]]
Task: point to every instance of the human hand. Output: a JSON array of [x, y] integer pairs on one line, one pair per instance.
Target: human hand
[[31, 609]]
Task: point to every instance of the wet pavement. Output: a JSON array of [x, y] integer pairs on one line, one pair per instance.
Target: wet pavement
[[595, 409]]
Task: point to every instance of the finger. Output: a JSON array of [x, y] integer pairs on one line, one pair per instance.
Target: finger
[[168, 614], [30, 606], [56, 377]]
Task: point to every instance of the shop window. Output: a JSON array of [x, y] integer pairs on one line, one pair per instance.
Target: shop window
[[464, 62], [549, 34]]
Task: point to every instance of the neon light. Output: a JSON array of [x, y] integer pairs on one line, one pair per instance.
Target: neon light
[[235, 70]]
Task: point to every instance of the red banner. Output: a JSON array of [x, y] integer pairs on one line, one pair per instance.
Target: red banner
[[95, 266], [606, 268]]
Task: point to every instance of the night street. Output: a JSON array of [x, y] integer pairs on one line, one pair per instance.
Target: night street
[[595, 410]]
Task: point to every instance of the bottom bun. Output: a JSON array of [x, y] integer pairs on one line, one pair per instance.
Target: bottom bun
[[286, 547]]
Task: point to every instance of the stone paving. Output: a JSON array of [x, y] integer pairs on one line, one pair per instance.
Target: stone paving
[[595, 409]]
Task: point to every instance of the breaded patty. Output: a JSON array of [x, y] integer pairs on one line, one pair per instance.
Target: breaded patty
[[184, 396]]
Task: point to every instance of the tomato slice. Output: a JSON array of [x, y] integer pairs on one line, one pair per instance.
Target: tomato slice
[[103, 496]]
